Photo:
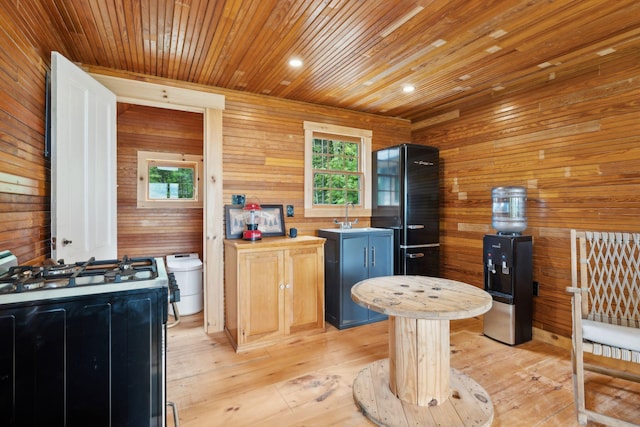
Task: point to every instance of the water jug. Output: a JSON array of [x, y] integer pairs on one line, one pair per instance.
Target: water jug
[[509, 209]]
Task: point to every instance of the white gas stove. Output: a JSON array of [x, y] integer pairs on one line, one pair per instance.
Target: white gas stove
[[22, 283]]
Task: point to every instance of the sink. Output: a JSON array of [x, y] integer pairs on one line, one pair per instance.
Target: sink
[[352, 230]]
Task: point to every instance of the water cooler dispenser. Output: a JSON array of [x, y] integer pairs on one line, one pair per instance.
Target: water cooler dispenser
[[507, 258]]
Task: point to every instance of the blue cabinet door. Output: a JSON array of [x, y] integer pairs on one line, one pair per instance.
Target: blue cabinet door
[[380, 254], [380, 262], [354, 269]]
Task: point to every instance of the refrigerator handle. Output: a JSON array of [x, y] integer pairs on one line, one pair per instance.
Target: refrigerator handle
[[415, 226]]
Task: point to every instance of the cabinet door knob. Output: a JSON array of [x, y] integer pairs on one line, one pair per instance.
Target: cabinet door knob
[[288, 286], [281, 286]]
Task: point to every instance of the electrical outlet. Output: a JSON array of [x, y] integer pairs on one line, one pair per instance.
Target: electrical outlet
[[536, 289]]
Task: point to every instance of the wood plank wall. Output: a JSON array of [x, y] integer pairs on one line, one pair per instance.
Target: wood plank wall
[[264, 149], [573, 142], [152, 231], [24, 170]]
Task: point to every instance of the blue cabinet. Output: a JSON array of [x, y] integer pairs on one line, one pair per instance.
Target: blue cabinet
[[351, 256]]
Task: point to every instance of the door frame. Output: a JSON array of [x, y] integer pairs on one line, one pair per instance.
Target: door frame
[[211, 106]]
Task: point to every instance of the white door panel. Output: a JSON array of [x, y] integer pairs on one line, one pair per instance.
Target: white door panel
[[83, 165]]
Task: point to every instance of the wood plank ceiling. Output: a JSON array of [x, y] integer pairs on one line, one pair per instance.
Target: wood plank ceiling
[[357, 54]]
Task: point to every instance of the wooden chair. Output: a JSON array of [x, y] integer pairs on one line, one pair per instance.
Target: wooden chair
[[605, 278]]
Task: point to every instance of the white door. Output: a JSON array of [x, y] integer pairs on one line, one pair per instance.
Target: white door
[[83, 165]]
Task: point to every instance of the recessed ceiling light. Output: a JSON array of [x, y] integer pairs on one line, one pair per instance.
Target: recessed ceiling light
[[408, 88], [295, 62]]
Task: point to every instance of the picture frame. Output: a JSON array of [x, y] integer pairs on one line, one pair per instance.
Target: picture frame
[[234, 225], [271, 221]]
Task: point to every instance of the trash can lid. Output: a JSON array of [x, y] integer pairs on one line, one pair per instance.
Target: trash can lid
[[183, 262]]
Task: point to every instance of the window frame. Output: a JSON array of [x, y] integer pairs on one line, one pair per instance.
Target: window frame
[[338, 211], [145, 158]]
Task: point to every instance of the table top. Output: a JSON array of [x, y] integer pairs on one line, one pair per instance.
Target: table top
[[421, 297]]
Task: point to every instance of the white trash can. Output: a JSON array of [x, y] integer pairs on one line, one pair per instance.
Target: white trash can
[[187, 269]]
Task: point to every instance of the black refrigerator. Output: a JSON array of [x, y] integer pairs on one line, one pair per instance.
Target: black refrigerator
[[405, 198]]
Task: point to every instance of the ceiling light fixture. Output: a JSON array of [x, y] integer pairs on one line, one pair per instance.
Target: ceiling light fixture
[[295, 62], [408, 88]]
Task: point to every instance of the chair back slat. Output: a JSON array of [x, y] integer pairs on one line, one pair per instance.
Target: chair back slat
[[610, 271]]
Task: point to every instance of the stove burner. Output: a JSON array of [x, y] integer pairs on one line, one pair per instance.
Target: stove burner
[[91, 272], [7, 288], [52, 284], [118, 275], [60, 270], [31, 283]]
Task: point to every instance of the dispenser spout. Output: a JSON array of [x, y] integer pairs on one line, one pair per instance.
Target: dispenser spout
[[491, 266], [505, 269]]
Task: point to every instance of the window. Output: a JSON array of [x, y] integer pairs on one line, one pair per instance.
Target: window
[[169, 180], [388, 178], [336, 175], [337, 170]]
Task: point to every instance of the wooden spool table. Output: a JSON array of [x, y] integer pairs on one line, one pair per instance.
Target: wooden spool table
[[416, 385]]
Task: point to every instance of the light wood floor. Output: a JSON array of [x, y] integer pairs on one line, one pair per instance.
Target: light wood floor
[[308, 382]]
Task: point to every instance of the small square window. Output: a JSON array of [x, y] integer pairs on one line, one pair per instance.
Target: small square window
[[169, 180]]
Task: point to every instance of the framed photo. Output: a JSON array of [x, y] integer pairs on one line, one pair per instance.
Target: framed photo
[[234, 223], [270, 222]]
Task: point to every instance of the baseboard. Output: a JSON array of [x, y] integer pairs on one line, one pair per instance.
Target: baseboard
[[551, 338]]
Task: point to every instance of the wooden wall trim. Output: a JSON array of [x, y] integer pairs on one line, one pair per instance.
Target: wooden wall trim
[[211, 105], [213, 224], [160, 95]]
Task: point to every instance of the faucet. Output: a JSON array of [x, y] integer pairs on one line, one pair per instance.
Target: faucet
[[346, 224]]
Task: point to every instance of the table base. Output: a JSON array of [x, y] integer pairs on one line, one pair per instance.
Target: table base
[[468, 403]]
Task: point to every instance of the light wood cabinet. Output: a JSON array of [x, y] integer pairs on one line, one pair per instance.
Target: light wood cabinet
[[274, 289]]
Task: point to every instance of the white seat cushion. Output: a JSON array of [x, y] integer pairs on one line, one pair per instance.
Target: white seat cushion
[[611, 335]]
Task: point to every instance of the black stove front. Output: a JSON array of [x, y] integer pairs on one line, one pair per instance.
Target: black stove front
[[83, 344]]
